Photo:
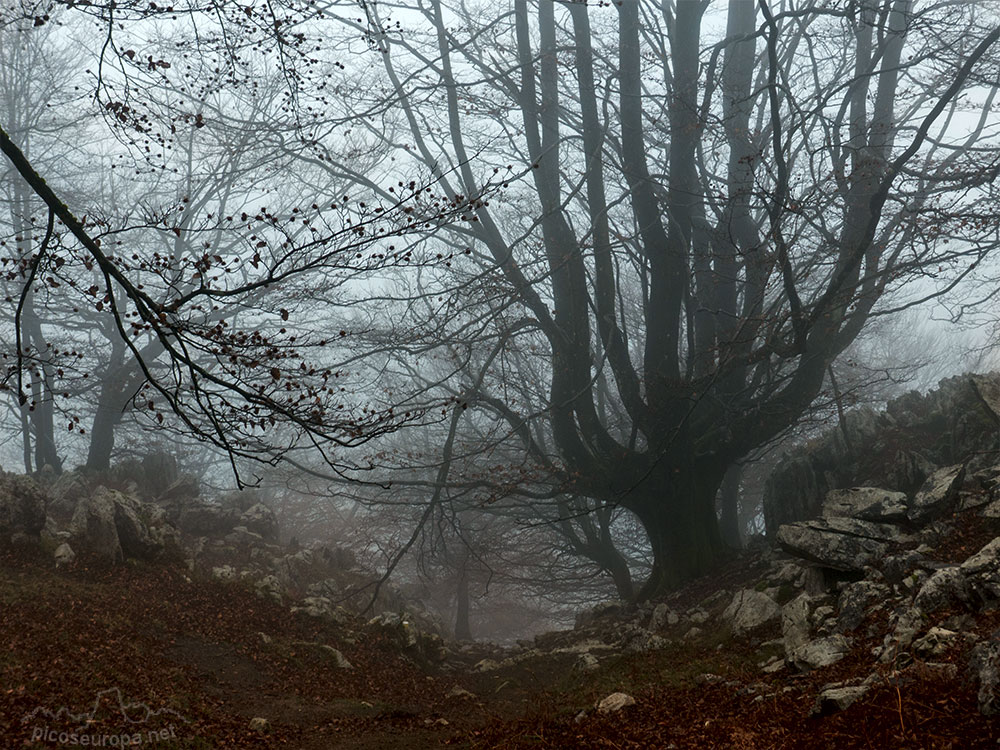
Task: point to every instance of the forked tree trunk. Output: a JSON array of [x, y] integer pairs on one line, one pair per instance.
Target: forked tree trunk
[[678, 514]]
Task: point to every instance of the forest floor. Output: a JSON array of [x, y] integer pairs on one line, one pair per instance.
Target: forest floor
[[169, 662]]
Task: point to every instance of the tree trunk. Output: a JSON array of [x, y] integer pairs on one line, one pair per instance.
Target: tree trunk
[[463, 629], [682, 527], [729, 523]]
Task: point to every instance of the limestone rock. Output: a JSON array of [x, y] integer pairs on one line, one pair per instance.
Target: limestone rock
[[260, 725], [821, 652], [795, 624], [865, 503], [855, 600], [615, 702], [836, 699], [64, 555], [986, 666], [935, 642], [845, 544], [259, 519], [750, 609], [937, 496], [22, 506], [945, 587], [93, 527]]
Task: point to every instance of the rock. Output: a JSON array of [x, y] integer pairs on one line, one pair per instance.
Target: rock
[[908, 622], [260, 725], [586, 663], [93, 527], [324, 608], [944, 588], [22, 506], [131, 521], [64, 555], [259, 519], [982, 571], [641, 640], [486, 665], [460, 693], [935, 642], [795, 624], [865, 503], [836, 699], [615, 702], [986, 666], [845, 544], [269, 587], [821, 652], [660, 618], [224, 573], [750, 609], [338, 658], [855, 600], [937, 496]]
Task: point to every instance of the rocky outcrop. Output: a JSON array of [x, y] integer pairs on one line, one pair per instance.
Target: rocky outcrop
[[845, 544], [22, 507], [93, 528], [897, 449], [751, 609]]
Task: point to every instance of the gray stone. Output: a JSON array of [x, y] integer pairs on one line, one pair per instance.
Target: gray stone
[[93, 527], [855, 600], [795, 631], [660, 618], [750, 609], [615, 702], [586, 663], [937, 496], [845, 544], [986, 666], [821, 652], [936, 641], [22, 506], [865, 503], [260, 725], [64, 555], [259, 519], [944, 588], [131, 521], [836, 699]]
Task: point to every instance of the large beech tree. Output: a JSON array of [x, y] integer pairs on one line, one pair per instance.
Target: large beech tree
[[713, 202]]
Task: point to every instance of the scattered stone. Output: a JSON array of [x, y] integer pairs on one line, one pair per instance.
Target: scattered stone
[[821, 652], [22, 506], [259, 519], [260, 725], [944, 588], [855, 600], [986, 666], [338, 658], [224, 573], [935, 642], [586, 663], [486, 665], [750, 609], [836, 699], [93, 527], [460, 693], [937, 496], [615, 702], [64, 555]]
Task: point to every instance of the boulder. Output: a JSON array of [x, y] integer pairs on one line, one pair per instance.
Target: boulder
[[985, 664], [615, 702], [22, 506], [982, 570], [937, 496], [821, 652], [259, 519], [935, 642], [795, 624], [855, 600], [132, 523], [93, 527], [945, 587], [845, 544], [750, 609], [64, 555], [865, 503], [836, 699]]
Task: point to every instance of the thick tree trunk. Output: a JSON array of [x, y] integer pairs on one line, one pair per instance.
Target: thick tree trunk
[[681, 524], [463, 628], [729, 495]]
